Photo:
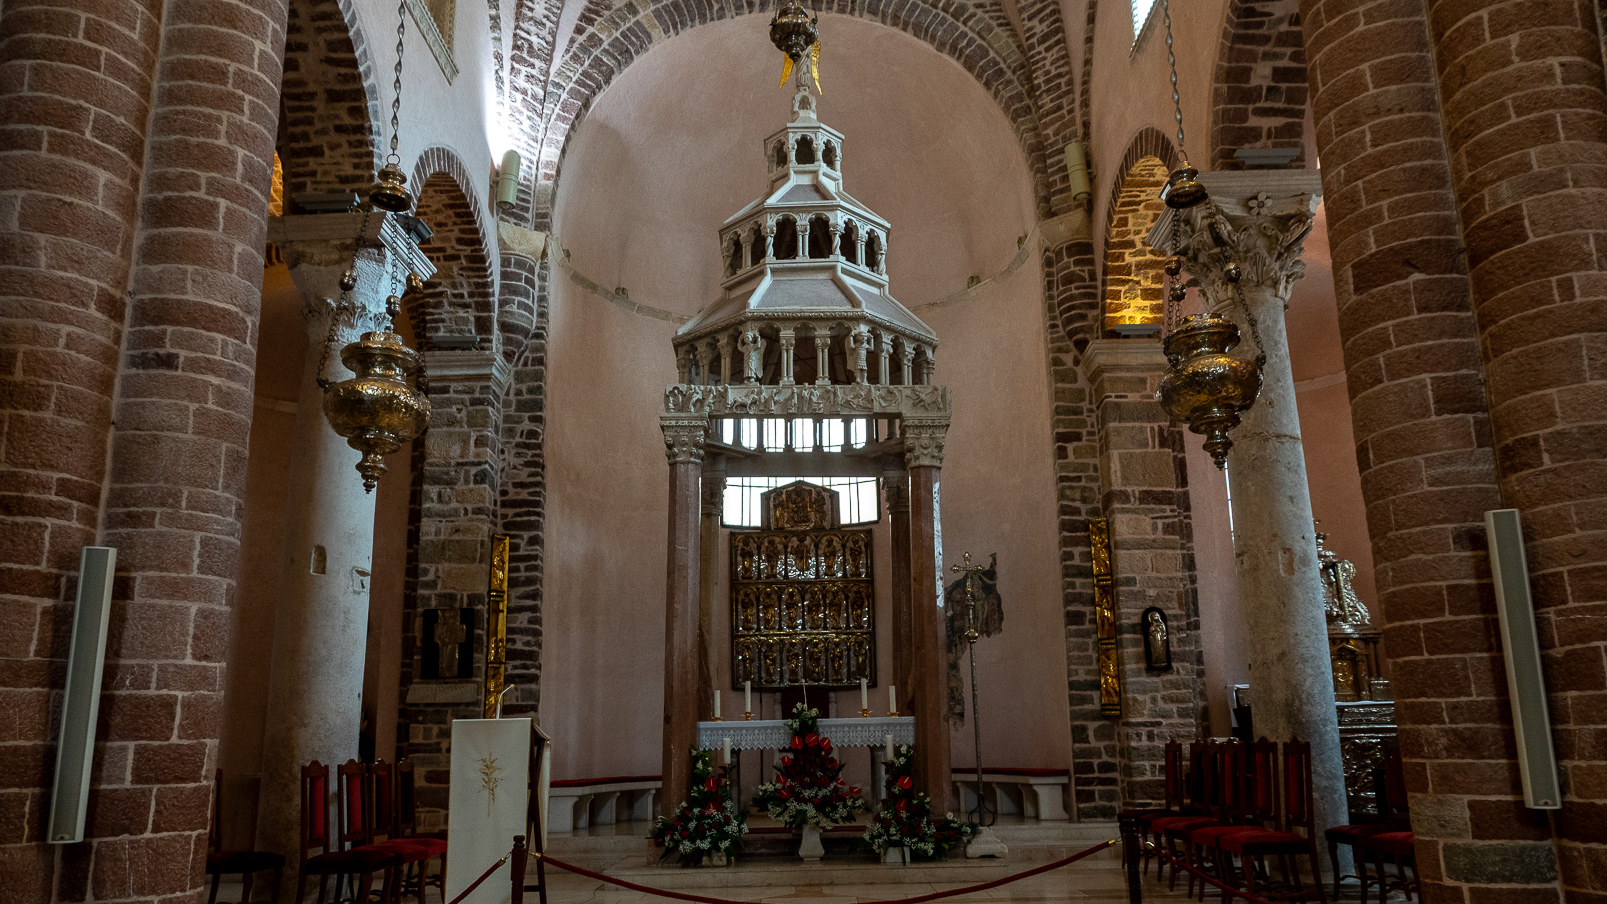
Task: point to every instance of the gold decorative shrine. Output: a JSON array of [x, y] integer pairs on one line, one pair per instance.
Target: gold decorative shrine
[[802, 598], [496, 623], [1110, 679]]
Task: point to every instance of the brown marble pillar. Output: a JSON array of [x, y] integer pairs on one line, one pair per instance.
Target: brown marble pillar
[[713, 495], [923, 453], [683, 443], [896, 484]]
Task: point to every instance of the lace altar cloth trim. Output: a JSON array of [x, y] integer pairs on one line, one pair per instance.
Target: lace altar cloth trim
[[772, 734]]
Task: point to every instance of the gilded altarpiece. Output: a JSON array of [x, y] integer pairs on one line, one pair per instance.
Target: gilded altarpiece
[[802, 598]]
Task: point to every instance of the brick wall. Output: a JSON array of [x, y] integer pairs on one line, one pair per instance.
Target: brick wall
[[330, 101], [1525, 120], [112, 156], [1423, 436], [1260, 95], [1134, 283]]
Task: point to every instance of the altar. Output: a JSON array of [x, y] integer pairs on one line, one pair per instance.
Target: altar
[[773, 734]]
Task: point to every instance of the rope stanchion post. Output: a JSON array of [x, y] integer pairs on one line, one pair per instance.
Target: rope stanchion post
[[1131, 857], [521, 856]]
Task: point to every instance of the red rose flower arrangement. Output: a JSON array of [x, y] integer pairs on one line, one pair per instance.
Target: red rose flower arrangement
[[905, 820], [707, 822], [807, 789]]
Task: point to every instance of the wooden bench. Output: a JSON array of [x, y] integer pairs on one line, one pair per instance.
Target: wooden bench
[[1032, 793], [579, 803]]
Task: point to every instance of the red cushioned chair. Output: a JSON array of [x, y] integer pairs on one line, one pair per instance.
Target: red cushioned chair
[[1391, 816], [1284, 842], [1398, 847], [390, 832], [1252, 807], [245, 864], [324, 856], [1172, 805], [1173, 830]]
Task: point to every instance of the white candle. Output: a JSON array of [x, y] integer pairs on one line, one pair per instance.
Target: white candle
[[728, 749], [747, 696], [889, 748], [864, 698], [717, 704], [892, 699]]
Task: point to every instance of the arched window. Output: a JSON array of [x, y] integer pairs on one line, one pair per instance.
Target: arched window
[[756, 240], [850, 243], [819, 237], [806, 150], [781, 155], [786, 239], [873, 252], [830, 154], [734, 262]]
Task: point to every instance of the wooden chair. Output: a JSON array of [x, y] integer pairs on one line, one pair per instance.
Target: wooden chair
[[1171, 830], [393, 833], [1229, 811], [323, 856], [1390, 816], [1398, 847], [1172, 805], [1253, 809], [1284, 842], [245, 864]]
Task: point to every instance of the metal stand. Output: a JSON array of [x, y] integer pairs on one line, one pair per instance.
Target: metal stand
[[981, 814]]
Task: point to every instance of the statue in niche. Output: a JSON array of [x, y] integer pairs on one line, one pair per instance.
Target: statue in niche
[[751, 345], [1157, 640], [448, 649]]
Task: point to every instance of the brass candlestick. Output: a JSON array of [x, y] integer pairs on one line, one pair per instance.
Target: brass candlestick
[[892, 714], [747, 716], [864, 714]]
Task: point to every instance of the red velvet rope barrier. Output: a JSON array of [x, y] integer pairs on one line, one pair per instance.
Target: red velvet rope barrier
[[918, 899], [483, 876], [1216, 882]]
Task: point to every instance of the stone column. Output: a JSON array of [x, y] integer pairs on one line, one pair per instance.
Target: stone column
[[923, 455], [896, 486], [320, 629], [789, 340], [1144, 494], [683, 444], [1263, 218], [822, 357], [708, 566]]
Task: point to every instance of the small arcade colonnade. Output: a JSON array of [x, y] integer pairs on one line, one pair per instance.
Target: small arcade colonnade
[[894, 433]]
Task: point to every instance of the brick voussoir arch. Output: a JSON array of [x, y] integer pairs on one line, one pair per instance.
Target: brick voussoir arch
[[442, 161], [955, 29], [1149, 142], [329, 128]]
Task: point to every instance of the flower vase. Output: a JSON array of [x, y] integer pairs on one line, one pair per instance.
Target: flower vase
[[719, 858], [896, 855], [810, 847]]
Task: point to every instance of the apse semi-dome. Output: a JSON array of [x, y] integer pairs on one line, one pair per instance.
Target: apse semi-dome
[[804, 298]]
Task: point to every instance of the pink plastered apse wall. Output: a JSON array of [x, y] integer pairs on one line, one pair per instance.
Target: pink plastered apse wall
[[670, 150]]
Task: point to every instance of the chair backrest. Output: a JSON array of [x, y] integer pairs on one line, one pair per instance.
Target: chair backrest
[[1297, 796], [314, 808], [1174, 775], [1211, 778], [1197, 770], [355, 803], [1394, 806], [214, 837], [382, 811], [406, 816], [1261, 783], [1231, 779]]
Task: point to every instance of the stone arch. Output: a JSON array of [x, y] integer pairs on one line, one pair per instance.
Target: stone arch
[[437, 159], [599, 52], [459, 301], [1260, 94], [1133, 288], [329, 123]]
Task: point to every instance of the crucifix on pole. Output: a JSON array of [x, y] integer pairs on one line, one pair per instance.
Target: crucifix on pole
[[981, 813]]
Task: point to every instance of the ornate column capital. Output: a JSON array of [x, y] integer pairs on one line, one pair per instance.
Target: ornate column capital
[[318, 248], [1261, 220], [713, 491], [896, 487], [683, 437], [923, 441]]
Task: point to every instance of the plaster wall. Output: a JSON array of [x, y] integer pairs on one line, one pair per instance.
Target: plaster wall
[[666, 153]]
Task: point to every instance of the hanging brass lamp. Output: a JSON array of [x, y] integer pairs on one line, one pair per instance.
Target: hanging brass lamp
[[1204, 386], [389, 191], [795, 33], [378, 409]]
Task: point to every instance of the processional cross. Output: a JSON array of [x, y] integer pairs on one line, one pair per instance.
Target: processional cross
[[973, 578]]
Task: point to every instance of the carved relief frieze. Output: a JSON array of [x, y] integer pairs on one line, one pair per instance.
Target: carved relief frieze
[[859, 400]]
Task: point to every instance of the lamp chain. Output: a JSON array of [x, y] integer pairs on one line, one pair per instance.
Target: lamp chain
[[396, 102], [345, 304], [1171, 60]]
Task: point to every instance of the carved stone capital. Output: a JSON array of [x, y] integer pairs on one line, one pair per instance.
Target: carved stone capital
[[896, 487], [318, 249], [683, 438], [713, 492], [351, 319], [923, 441], [1254, 218]]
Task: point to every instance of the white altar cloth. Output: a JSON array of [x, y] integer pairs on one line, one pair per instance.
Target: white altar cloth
[[772, 734]]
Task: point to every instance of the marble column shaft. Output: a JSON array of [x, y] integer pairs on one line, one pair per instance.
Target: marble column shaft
[[1262, 221], [896, 485], [923, 454], [321, 623], [683, 442], [713, 496]]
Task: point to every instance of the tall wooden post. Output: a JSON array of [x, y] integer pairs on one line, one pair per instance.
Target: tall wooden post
[[683, 444], [896, 484], [923, 454]]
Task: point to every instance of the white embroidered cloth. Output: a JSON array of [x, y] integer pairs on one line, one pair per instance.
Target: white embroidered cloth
[[772, 734]]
